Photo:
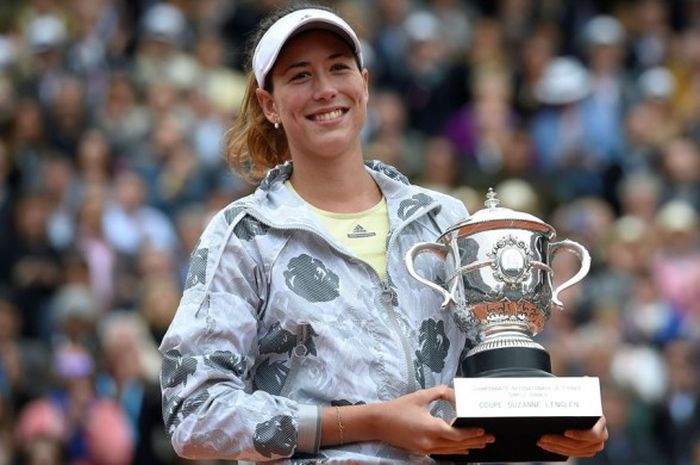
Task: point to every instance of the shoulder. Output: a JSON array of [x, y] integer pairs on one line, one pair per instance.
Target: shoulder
[[220, 223], [394, 184], [451, 208]]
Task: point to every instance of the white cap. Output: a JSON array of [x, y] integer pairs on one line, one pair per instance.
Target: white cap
[[604, 30], [422, 26], [565, 80], [273, 40], [657, 83], [164, 22], [45, 32], [677, 216]]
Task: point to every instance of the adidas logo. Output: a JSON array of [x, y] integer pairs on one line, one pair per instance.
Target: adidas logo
[[358, 232]]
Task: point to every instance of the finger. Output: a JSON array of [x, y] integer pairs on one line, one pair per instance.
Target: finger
[[568, 452], [457, 448], [456, 439], [571, 448], [440, 392], [478, 443], [465, 434], [599, 431], [554, 440], [450, 451], [469, 437]]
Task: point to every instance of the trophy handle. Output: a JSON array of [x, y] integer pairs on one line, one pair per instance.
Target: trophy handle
[[582, 254], [441, 251]]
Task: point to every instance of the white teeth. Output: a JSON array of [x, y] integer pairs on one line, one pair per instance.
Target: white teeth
[[328, 116]]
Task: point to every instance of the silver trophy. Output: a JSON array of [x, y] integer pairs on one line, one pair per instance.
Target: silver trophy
[[498, 286]]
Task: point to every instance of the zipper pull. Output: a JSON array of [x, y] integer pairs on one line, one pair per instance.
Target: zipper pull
[[388, 293]]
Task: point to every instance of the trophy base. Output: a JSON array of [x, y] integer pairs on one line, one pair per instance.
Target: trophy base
[[508, 362], [518, 411], [516, 439]]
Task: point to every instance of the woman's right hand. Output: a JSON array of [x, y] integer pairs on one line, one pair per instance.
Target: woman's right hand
[[406, 422]]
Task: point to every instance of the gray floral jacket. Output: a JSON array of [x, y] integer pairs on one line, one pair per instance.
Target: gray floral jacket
[[278, 319]]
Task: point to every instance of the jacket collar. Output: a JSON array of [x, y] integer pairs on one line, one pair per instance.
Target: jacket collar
[[277, 206]]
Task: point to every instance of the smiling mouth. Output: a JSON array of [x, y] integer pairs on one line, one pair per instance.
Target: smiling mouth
[[328, 115]]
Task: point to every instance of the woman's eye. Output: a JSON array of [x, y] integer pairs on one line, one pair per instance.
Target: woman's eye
[[339, 66], [300, 75]]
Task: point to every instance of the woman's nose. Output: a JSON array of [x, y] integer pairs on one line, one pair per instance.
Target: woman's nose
[[324, 87]]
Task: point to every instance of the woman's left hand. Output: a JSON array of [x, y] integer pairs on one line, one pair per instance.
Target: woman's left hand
[[577, 443]]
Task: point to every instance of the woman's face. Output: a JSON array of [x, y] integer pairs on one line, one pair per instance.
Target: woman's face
[[319, 96]]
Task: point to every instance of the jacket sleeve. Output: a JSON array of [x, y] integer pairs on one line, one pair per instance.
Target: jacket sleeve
[[210, 408]]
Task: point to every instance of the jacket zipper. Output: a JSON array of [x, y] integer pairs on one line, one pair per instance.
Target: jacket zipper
[[297, 353], [388, 295]]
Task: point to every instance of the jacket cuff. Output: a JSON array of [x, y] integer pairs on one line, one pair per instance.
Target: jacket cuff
[[309, 433]]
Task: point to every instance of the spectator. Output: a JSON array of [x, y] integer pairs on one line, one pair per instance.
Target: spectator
[[157, 304], [61, 193], [651, 317], [685, 68], [677, 415], [23, 360], [390, 42], [75, 314], [39, 433], [129, 375], [32, 264], [90, 241], [179, 181], [676, 262], [67, 116], [482, 129], [390, 138], [46, 38], [651, 33], [612, 85], [27, 143], [628, 444], [159, 55], [130, 223], [94, 161], [536, 52], [568, 143], [680, 165], [431, 89], [122, 117], [88, 429], [441, 171], [640, 196]]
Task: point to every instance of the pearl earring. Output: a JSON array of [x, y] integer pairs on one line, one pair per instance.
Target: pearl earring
[[277, 125]]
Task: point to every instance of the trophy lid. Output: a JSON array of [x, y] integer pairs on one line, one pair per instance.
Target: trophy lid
[[496, 217]]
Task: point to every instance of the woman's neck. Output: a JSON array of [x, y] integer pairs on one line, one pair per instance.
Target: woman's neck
[[342, 186]]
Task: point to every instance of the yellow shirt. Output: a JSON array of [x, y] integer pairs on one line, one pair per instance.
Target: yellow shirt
[[363, 233]]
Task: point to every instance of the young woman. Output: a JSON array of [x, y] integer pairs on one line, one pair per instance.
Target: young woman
[[300, 333]]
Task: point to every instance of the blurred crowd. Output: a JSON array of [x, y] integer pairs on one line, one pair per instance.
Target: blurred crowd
[[113, 119]]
